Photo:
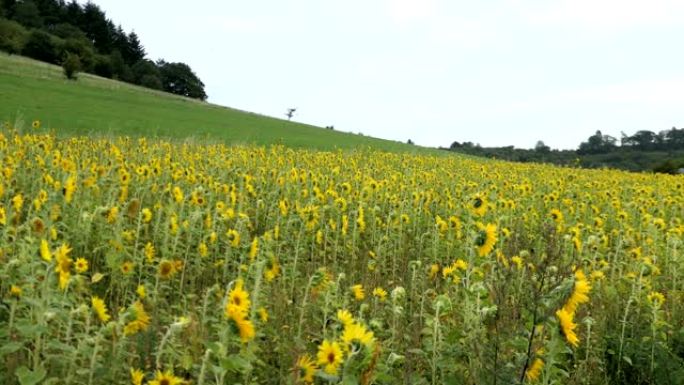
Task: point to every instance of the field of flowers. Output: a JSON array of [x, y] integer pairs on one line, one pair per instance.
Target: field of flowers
[[131, 261]]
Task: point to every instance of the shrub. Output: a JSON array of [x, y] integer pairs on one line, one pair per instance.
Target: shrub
[[42, 46], [71, 66], [12, 36]]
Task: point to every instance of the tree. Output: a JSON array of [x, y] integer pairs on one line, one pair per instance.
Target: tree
[[136, 51], [96, 26], [542, 148], [290, 113], [179, 79], [27, 14], [146, 73], [41, 46], [103, 66], [120, 70], [81, 48], [12, 36], [71, 66], [644, 140]]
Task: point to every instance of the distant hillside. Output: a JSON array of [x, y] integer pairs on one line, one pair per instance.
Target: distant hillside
[[643, 151], [31, 90]]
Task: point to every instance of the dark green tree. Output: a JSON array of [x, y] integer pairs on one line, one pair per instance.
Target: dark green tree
[[71, 66], [179, 79], [146, 73], [27, 14], [120, 70], [41, 46], [103, 66], [12, 36], [96, 26], [83, 49]]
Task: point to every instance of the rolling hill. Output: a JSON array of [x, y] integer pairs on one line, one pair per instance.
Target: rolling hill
[[32, 90]]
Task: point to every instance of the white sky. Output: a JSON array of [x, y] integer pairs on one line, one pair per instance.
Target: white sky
[[497, 72]]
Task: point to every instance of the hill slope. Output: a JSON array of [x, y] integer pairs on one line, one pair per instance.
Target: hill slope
[[92, 105]]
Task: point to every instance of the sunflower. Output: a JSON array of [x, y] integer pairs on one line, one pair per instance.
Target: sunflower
[[306, 369], [137, 376], [37, 225], [243, 325], [100, 308], [45, 250], [69, 189], [273, 270], [146, 215], [178, 194], [166, 378], [356, 335], [486, 238], [127, 267], [166, 269], [358, 292], [556, 215], [568, 326], [579, 293], [263, 314], [254, 249], [330, 355], [81, 265], [238, 297], [140, 321], [233, 237], [533, 372], [15, 291], [380, 293], [36, 124], [345, 317], [656, 299], [479, 205], [149, 252]]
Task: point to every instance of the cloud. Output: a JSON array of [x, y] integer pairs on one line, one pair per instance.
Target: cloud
[[407, 12], [235, 24], [605, 15]]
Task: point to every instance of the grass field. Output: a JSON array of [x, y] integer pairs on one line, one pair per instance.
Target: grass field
[[31, 90]]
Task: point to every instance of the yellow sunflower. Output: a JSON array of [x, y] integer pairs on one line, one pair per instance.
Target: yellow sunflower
[[330, 355], [306, 369], [486, 238]]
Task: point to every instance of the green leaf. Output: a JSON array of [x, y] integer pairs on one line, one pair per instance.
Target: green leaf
[[627, 360], [10, 348], [28, 377]]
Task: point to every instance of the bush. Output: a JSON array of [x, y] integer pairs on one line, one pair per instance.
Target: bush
[[103, 66], [83, 49], [151, 81], [71, 66], [42, 46], [12, 36]]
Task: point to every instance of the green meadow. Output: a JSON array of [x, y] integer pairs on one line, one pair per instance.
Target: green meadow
[[32, 90]]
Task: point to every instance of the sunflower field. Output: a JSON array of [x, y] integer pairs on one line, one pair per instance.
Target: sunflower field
[[139, 261]]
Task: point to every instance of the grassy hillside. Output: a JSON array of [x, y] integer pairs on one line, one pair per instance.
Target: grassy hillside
[[92, 105]]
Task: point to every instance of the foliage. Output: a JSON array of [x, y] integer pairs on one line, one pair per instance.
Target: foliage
[[643, 151], [179, 79], [71, 66], [12, 36], [57, 27], [42, 46]]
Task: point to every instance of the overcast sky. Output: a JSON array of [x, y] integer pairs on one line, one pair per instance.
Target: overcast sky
[[497, 72]]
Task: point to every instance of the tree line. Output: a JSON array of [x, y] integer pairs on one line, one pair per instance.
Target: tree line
[[645, 150], [69, 34]]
